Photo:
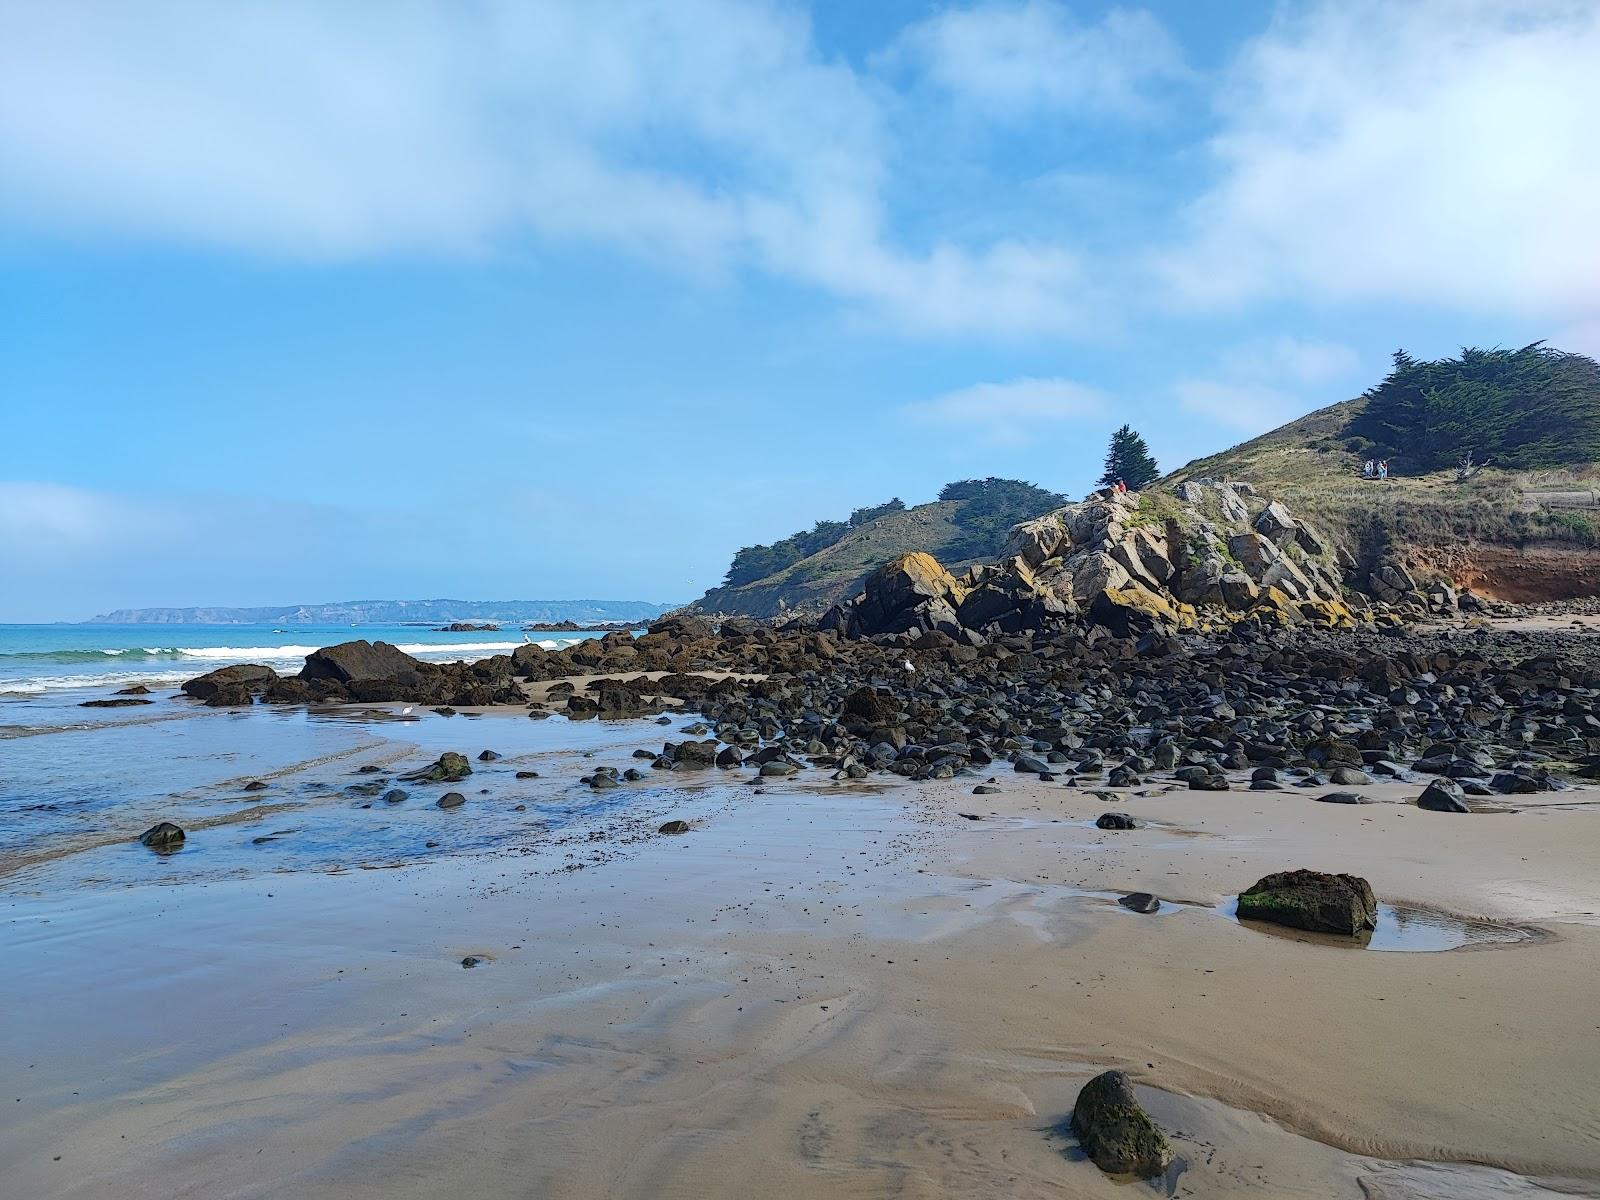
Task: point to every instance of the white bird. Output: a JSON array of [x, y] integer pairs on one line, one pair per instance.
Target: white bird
[[406, 710], [907, 665]]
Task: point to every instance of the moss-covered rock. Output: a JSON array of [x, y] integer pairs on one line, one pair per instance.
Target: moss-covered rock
[[1312, 900], [450, 768], [1115, 1131]]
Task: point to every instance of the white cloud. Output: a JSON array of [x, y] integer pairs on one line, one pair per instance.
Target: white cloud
[[1012, 60], [1441, 152], [1013, 413], [706, 133]]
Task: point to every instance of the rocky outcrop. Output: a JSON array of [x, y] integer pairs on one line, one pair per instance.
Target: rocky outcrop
[[1115, 1131], [1126, 562], [1312, 900]]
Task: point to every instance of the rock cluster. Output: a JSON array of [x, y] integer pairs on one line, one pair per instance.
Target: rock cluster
[[1128, 562]]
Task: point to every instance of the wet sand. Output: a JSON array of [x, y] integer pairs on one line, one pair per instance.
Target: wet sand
[[822, 990]]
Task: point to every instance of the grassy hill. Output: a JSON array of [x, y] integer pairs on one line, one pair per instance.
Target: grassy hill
[[969, 523], [1529, 529], [1523, 523]]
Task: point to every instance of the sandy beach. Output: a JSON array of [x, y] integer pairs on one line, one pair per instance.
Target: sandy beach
[[824, 989]]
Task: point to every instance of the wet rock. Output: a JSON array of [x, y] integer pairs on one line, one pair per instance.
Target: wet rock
[[472, 960], [165, 836], [488, 756], [1208, 783], [449, 768], [1441, 795], [360, 660], [1349, 776], [137, 689], [1140, 902], [527, 774], [985, 789], [1115, 820], [674, 827], [246, 677], [1115, 1131], [1312, 900], [256, 785], [114, 702], [1340, 798], [451, 800]]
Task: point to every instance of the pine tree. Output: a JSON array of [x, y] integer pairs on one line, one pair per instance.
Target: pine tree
[[1128, 459]]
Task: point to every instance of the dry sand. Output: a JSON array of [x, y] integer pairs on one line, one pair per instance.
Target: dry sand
[[825, 990]]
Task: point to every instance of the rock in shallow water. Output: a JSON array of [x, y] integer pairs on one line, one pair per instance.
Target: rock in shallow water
[[165, 836], [1116, 820], [1140, 902], [451, 800], [1115, 1131], [1312, 900], [674, 827]]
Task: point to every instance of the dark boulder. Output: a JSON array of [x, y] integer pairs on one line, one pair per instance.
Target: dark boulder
[[1442, 796], [252, 677], [361, 660], [163, 837], [1116, 820], [674, 827], [1140, 902], [114, 702], [1312, 900], [451, 800], [1115, 1131]]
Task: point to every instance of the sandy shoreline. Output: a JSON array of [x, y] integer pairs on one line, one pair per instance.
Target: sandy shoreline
[[823, 990]]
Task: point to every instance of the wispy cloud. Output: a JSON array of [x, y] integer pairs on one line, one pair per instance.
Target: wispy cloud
[[1013, 60], [1440, 152], [705, 133], [1014, 413]]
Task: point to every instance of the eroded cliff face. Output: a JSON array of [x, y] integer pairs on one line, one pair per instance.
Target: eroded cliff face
[[1536, 573]]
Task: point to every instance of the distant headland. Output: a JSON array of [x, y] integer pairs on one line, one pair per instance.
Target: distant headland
[[394, 612]]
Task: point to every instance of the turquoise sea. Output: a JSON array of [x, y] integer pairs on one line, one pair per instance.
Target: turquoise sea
[[39, 659], [78, 784]]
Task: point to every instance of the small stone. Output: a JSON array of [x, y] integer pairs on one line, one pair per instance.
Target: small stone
[[165, 836], [674, 827], [1140, 902], [451, 800]]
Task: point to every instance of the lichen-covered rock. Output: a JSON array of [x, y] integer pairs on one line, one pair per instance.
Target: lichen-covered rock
[[1312, 900], [1115, 1131]]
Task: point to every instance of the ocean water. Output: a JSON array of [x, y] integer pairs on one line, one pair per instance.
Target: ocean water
[[37, 659], [78, 784]]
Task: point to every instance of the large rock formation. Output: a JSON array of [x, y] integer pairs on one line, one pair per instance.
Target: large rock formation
[[1128, 562], [359, 660], [1312, 900]]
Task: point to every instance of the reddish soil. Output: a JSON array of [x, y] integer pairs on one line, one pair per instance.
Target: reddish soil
[[1537, 572]]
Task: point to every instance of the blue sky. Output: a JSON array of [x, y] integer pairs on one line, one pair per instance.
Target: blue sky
[[313, 301]]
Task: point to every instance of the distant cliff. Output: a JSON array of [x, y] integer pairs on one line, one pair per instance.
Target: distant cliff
[[392, 612]]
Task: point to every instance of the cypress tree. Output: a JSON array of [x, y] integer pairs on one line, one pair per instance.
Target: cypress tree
[[1128, 459]]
